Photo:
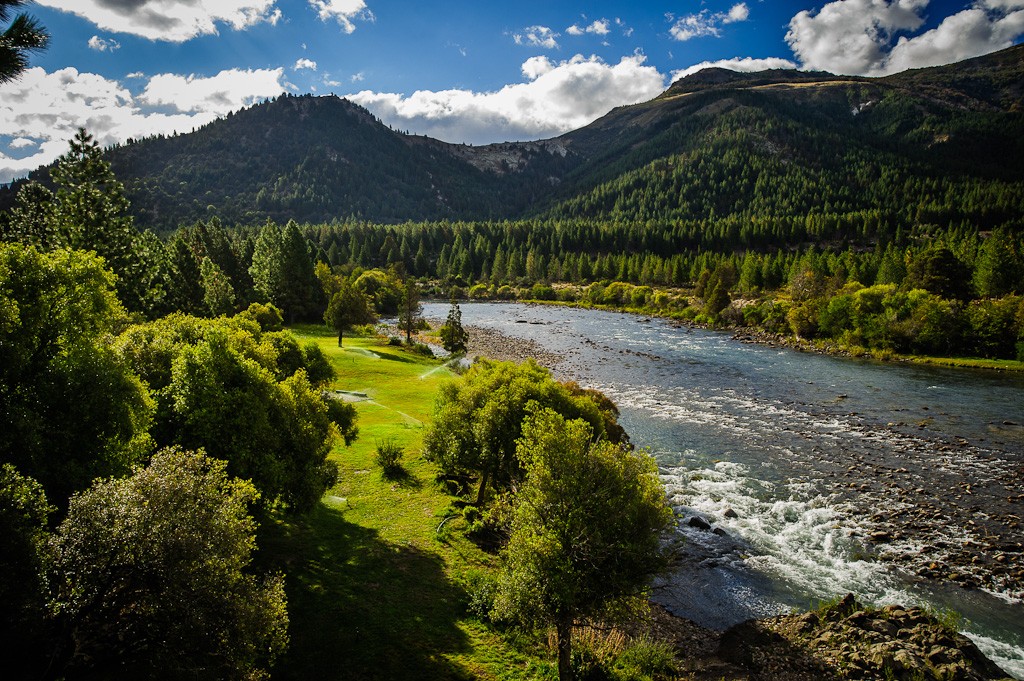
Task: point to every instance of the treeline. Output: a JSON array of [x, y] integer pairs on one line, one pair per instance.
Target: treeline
[[208, 269]]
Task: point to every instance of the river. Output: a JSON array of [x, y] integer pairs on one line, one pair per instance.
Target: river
[[798, 477]]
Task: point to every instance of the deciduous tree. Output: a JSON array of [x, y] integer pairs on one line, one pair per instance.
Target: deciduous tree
[[587, 531], [150, 576]]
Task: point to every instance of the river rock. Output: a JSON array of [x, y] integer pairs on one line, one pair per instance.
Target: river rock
[[699, 523]]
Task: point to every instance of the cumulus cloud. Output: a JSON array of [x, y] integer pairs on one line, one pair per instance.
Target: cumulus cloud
[[596, 27], [170, 20], [876, 37], [227, 91], [304, 63], [738, 12], [556, 97], [46, 109], [537, 36], [743, 65], [707, 23], [345, 12], [103, 44]]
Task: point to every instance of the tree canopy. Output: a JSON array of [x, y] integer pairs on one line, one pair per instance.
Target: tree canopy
[[587, 529], [478, 419], [150, 576], [71, 406]]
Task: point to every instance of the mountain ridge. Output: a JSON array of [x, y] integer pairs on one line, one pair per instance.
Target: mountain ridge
[[318, 159]]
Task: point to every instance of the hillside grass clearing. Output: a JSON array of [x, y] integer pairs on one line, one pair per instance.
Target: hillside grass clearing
[[374, 591]]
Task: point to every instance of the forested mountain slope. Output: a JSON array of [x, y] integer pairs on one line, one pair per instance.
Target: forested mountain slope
[[719, 150]]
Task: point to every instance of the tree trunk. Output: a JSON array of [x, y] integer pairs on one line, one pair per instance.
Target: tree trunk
[[482, 492], [339, 339], [564, 629]]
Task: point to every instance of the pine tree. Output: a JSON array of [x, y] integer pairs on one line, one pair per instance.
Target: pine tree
[[24, 34], [454, 337]]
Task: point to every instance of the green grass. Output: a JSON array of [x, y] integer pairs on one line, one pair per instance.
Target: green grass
[[373, 591]]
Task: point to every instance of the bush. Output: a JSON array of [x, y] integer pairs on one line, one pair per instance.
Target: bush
[[481, 588], [421, 349], [542, 292], [389, 457]]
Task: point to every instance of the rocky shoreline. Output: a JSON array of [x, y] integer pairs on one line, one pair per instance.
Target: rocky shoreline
[[844, 640]]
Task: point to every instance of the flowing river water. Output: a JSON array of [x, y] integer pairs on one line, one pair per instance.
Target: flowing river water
[[798, 477]]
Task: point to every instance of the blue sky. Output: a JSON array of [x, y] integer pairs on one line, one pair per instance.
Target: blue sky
[[462, 71]]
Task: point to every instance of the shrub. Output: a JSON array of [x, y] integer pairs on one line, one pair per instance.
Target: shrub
[[389, 457]]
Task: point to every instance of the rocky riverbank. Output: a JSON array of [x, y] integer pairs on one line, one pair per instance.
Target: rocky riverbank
[[842, 641]]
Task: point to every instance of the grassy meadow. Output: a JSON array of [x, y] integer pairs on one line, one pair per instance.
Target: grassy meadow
[[374, 589]]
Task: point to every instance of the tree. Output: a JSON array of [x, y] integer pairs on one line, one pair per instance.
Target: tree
[[23, 514], [218, 293], [88, 212], [24, 35], [410, 313], [92, 214], [347, 307], [71, 407], [453, 336], [478, 418], [586, 533], [1000, 266], [150, 576], [244, 396]]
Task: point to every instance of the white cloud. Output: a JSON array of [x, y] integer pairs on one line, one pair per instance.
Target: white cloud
[[738, 12], [706, 23], [743, 65], [557, 97], [356, 78], [596, 27], [304, 63], [103, 44], [21, 143], [537, 36], [171, 20], [227, 91], [345, 12], [48, 108], [136, 74], [875, 37]]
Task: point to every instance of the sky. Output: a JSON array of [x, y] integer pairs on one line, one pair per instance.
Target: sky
[[464, 71]]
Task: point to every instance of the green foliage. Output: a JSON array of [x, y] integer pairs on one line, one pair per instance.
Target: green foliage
[[149, 575], [586, 536], [389, 457], [23, 516], [244, 396], [267, 316], [385, 292], [62, 386], [90, 212], [410, 312], [23, 35], [492, 399], [348, 307], [282, 270], [454, 337]]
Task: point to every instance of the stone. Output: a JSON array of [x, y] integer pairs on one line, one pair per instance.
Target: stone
[[699, 523], [729, 513]]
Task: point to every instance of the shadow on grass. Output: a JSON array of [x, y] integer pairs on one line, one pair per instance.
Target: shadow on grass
[[362, 608], [395, 357], [401, 477]]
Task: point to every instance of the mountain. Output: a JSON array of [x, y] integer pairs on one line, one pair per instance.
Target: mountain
[[931, 146]]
